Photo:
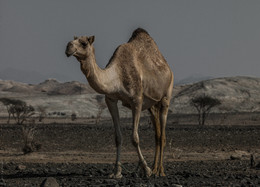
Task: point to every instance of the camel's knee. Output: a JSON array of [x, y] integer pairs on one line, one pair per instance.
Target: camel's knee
[[165, 102], [135, 139], [163, 141], [157, 138]]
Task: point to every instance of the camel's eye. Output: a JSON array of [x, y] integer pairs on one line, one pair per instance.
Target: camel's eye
[[83, 43]]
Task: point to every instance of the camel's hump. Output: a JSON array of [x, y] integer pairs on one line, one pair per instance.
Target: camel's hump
[[137, 32]]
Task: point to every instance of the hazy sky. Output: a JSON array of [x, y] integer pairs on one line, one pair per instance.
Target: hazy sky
[[203, 37]]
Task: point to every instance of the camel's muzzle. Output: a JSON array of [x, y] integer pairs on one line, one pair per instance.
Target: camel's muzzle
[[69, 52]]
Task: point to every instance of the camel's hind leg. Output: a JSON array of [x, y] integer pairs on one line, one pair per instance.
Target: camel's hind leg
[[136, 110], [163, 118], [155, 112]]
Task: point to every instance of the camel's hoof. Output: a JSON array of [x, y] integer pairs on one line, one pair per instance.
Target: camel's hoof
[[162, 174], [158, 172], [148, 172], [115, 176], [154, 171]]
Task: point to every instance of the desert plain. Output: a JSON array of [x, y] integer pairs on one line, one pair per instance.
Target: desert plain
[[224, 152]]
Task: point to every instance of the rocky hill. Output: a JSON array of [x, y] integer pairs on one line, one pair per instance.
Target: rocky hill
[[53, 87], [237, 94], [49, 87]]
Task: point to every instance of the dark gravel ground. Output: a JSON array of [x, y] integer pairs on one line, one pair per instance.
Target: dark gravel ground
[[100, 138], [189, 173]]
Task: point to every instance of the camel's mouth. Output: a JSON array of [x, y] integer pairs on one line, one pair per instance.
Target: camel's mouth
[[69, 53]]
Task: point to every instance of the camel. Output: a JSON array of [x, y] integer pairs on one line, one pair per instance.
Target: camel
[[138, 75]]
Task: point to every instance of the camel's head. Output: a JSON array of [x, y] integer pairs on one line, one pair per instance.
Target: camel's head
[[80, 47]]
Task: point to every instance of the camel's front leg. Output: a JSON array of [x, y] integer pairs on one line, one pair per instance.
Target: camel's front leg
[[113, 109], [136, 117]]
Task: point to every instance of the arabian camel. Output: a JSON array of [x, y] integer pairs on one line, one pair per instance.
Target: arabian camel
[[139, 76]]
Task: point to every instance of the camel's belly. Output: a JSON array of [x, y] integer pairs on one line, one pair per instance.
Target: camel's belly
[[147, 103]]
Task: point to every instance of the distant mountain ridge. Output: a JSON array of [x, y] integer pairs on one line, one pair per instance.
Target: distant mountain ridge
[[30, 76], [35, 77], [192, 79], [237, 94], [50, 87]]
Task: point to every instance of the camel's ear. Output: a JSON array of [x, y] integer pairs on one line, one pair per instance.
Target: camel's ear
[[75, 37], [91, 39]]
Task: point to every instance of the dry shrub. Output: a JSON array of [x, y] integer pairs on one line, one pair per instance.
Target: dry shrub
[[42, 113], [73, 116], [28, 132], [176, 153]]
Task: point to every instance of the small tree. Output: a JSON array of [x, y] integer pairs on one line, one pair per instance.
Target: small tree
[[28, 132], [203, 105], [9, 104], [21, 112]]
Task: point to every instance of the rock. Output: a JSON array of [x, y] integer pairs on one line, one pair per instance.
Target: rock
[[206, 176], [258, 166], [238, 155], [235, 157], [252, 160], [134, 175], [50, 182], [98, 182], [110, 181], [21, 167], [176, 185], [52, 171], [101, 172], [2, 182]]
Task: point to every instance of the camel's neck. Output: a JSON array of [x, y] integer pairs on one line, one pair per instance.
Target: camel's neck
[[102, 81]]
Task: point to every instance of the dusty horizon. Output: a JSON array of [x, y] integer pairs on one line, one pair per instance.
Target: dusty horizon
[[197, 38]]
